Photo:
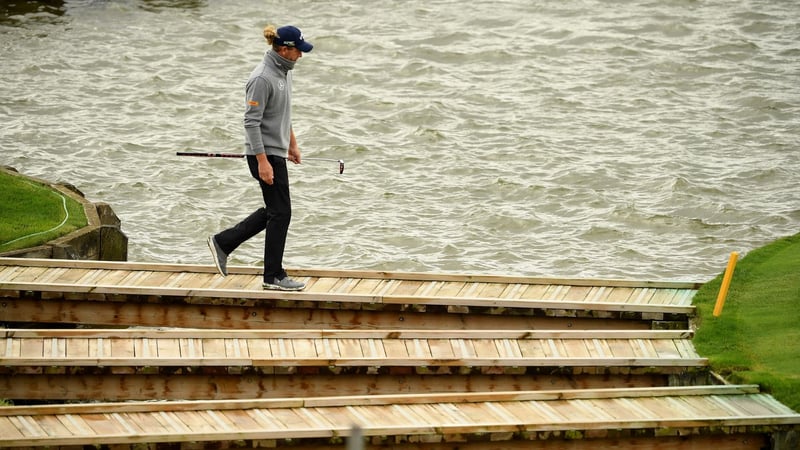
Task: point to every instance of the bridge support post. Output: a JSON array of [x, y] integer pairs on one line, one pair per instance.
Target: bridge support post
[[785, 440], [355, 441]]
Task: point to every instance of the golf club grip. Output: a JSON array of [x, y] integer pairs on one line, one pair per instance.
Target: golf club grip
[[212, 155]]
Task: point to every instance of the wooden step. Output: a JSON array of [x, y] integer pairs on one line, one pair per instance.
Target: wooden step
[[246, 314], [61, 384], [115, 281], [347, 348], [514, 415]]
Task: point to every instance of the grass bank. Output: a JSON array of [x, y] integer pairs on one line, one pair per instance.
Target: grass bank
[[756, 339], [32, 213]]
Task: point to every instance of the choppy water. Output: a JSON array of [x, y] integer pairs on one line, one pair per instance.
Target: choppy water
[[595, 138]]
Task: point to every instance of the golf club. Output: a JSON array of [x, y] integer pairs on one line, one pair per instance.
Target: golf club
[[240, 155]]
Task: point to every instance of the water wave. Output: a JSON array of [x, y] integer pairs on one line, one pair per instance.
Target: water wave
[[547, 138]]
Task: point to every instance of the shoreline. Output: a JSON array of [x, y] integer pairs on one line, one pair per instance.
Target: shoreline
[[101, 239]]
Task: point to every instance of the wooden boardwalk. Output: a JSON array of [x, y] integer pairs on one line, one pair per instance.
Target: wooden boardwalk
[[186, 348], [110, 293], [382, 288], [417, 361], [407, 416]]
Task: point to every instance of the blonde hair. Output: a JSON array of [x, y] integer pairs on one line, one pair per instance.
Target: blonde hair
[[270, 33]]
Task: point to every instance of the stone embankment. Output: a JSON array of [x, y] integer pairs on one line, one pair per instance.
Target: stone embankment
[[101, 239]]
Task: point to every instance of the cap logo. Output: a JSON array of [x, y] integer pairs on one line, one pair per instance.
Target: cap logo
[[290, 36]]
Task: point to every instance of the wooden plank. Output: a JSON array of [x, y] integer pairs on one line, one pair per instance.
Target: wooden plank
[[323, 284], [577, 348], [620, 294], [645, 348], [428, 289], [448, 288], [113, 277], [486, 348], [508, 349], [304, 348], [213, 348], [597, 294], [201, 280], [29, 274], [132, 279], [685, 348], [491, 290], [405, 288], [365, 286], [92, 276], [197, 422], [281, 348], [344, 351], [572, 412], [531, 349], [50, 275], [344, 285], [168, 348], [266, 417], [115, 265], [325, 348], [395, 349], [513, 291], [464, 349], [147, 348], [8, 272], [259, 348], [350, 348], [152, 278], [247, 317], [99, 347], [122, 348], [77, 348], [662, 297], [250, 288], [27, 427], [144, 422], [666, 348], [418, 358], [240, 419], [373, 348], [8, 428], [29, 348], [183, 333], [441, 348], [417, 349], [538, 395]]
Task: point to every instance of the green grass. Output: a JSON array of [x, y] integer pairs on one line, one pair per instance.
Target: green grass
[[756, 338], [27, 208]]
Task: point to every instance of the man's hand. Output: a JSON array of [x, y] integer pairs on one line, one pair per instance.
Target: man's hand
[[265, 169], [294, 155], [294, 150]]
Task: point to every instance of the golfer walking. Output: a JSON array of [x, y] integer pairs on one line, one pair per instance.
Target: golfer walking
[[269, 143]]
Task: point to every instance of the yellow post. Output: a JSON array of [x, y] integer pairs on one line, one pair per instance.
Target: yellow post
[[726, 282]]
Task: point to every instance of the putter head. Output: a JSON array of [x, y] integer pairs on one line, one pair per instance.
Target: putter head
[[341, 167]]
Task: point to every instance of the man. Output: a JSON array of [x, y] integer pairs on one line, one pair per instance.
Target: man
[[269, 142]]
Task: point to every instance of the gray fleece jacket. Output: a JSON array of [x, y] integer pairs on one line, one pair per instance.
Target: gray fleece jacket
[[268, 107]]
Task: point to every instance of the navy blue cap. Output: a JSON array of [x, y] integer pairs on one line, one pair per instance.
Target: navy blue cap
[[290, 36]]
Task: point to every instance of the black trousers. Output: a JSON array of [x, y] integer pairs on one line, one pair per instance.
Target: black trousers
[[274, 217]]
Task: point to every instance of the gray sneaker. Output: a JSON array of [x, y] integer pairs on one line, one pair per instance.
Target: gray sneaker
[[220, 258], [284, 284]]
